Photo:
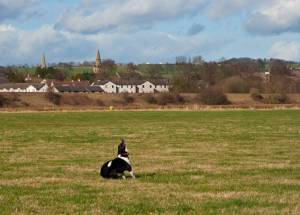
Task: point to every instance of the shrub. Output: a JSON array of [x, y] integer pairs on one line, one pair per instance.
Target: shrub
[[213, 97], [277, 99], [178, 98], [297, 86], [14, 97], [184, 84], [127, 99], [149, 98], [77, 100], [99, 102], [25, 104], [235, 85], [170, 98], [283, 98], [11, 99], [85, 75], [164, 99], [3, 100], [54, 98], [117, 102], [255, 95], [15, 76]]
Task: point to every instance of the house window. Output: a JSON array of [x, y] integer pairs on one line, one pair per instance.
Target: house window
[[150, 86], [143, 86]]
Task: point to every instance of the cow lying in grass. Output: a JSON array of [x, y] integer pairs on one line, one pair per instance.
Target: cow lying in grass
[[116, 168]]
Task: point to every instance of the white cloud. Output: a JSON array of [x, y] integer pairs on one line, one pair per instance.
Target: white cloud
[[287, 50], [223, 8], [14, 8], [111, 25], [24, 46], [21, 46], [6, 28], [263, 16], [279, 17], [120, 14]]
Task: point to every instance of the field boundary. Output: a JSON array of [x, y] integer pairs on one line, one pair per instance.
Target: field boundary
[[106, 102], [162, 108]]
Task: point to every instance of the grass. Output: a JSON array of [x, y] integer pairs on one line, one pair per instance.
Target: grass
[[227, 162]]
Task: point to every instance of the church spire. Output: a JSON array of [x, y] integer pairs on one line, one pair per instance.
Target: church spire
[[98, 54], [43, 62], [97, 66], [98, 59]]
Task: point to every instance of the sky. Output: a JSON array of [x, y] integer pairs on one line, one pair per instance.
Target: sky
[[154, 31]]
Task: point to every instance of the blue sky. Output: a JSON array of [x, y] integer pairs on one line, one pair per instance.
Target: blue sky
[[147, 30]]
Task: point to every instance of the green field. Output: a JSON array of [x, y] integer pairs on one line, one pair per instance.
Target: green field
[[213, 162]]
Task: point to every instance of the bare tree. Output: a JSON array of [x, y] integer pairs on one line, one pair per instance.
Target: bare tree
[[181, 60], [198, 60]]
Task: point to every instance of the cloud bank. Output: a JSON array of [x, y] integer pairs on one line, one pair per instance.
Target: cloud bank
[[279, 17], [13, 8], [287, 50], [125, 15], [146, 30]]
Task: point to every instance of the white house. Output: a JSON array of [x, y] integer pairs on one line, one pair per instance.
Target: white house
[[155, 86], [146, 87], [161, 86], [127, 86], [120, 86], [25, 88], [107, 86]]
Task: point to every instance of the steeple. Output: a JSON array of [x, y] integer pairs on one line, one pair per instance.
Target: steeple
[[97, 66], [98, 59], [43, 62]]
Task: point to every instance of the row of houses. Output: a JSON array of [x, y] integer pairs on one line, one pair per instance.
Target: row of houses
[[139, 86], [24, 88], [120, 86]]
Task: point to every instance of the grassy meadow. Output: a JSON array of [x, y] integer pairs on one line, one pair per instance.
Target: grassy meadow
[[209, 162]]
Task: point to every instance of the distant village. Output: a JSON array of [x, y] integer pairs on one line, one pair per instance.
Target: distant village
[[187, 75], [78, 86]]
